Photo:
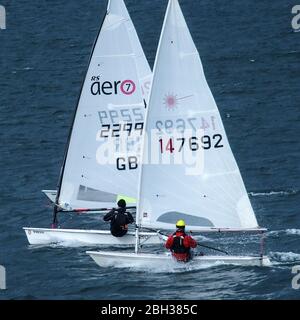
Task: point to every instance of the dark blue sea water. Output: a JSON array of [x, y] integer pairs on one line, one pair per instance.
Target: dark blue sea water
[[251, 58]]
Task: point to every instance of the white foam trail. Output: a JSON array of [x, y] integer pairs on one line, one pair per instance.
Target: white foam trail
[[285, 256], [293, 231], [201, 238], [286, 231], [171, 267], [273, 193]]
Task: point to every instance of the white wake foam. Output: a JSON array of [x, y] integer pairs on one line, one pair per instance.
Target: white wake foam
[[172, 267], [273, 193], [293, 231], [285, 231], [287, 257]]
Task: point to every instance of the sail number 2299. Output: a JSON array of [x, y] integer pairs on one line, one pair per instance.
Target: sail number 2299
[[194, 143]]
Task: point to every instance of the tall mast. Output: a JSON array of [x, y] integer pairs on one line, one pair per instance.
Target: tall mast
[[138, 215]]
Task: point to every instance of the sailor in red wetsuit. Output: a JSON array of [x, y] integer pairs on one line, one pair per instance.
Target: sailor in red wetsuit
[[180, 243]]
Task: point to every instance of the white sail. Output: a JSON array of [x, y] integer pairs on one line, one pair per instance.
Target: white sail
[[182, 117], [111, 104]]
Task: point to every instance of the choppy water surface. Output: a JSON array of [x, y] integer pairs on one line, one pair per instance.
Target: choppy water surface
[[251, 58]]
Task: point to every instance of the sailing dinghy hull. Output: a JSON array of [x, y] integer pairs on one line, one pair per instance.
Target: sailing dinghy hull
[[117, 259], [42, 236]]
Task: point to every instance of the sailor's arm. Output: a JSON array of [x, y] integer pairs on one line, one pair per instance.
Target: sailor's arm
[[109, 215], [190, 242], [130, 217], [169, 242], [193, 243]]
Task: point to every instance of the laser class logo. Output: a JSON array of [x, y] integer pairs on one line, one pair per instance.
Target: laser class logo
[[171, 101], [98, 87], [2, 18]]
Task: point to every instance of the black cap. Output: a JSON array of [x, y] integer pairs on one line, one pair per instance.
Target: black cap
[[122, 203]]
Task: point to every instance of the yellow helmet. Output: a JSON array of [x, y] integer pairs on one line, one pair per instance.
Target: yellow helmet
[[180, 224]]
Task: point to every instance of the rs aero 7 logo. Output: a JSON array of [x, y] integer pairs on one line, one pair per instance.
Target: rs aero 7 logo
[[107, 88]]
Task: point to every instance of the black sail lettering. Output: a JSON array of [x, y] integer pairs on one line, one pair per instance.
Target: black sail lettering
[[107, 87], [95, 88]]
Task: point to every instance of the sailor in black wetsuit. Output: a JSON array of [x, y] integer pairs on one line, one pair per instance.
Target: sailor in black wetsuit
[[119, 219]]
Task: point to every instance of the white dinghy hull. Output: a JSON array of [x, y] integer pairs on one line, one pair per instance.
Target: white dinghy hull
[[42, 236], [117, 259]]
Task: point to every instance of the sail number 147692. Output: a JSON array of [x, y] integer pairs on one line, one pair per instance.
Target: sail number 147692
[[205, 142]]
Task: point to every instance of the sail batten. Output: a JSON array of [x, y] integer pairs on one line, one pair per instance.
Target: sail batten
[[183, 119]]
